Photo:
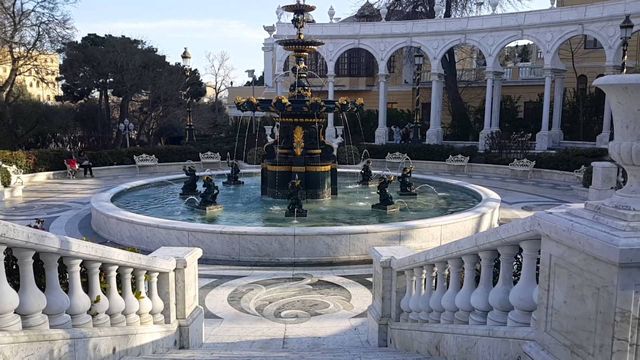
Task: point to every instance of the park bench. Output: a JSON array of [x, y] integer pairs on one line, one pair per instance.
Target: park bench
[[458, 160], [210, 158], [397, 158], [522, 165], [72, 168], [16, 173], [579, 174], [145, 160]]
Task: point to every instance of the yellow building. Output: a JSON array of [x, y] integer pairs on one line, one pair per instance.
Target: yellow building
[[39, 80]]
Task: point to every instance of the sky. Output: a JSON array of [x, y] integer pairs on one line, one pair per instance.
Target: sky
[[203, 26]]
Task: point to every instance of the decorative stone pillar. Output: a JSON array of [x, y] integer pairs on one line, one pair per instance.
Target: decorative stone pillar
[[57, 301], [543, 139], [434, 134], [558, 98], [267, 48], [404, 303], [80, 302], [330, 133], [156, 301], [9, 321], [32, 300], [497, 101], [463, 299], [480, 296], [279, 84], [99, 301], [116, 302], [488, 104], [604, 137], [603, 180], [141, 293], [382, 132], [416, 297], [499, 295], [428, 292], [436, 298], [131, 304], [521, 297], [449, 297], [624, 205]]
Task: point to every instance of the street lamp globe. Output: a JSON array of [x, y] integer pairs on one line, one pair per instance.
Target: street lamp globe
[[186, 58], [418, 58], [626, 28]]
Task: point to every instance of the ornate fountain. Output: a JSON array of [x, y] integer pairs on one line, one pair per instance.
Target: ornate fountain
[[300, 150]]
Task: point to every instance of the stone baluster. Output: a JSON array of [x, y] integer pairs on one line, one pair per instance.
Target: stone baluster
[[480, 296], [499, 296], [535, 301], [9, 301], [449, 298], [131, 304], [414, 303], [32, 300], [428, 291], [80, 302], [99, 301], [57, 301], [436, 298], [404, 303], [463, 299], [116, 302], [156, 301], [145, 303], [521, 297]]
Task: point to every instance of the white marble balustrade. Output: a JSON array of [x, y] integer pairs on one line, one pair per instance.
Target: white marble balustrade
[[475, 288]]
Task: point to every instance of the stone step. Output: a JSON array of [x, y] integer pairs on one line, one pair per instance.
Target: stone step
[[359, 353]]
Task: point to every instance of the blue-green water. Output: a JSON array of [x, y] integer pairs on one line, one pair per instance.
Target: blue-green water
[[243, 205]]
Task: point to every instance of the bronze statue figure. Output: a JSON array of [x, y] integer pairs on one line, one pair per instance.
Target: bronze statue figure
[[190, 186], [406, 186], [233, 175], [294, 209], [385, 200], [366, 174], [209, 196]]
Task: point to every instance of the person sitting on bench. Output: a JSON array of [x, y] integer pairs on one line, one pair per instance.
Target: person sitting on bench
[[84, 162]]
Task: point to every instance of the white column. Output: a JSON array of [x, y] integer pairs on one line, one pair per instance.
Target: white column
[[330, 133], [382, 132], [131, 304], [80, 302], [428, 291], [57, 301], [156, 301], [497, 101], [99, 301], [436, 298], [434, 134], [414, 303], [499, 296], [145, 303], [480, 296], [488, 104], [449, 298], [543, 139], [558, 99], [463, 299], [116, 302], [521, 297], [32, 300], [605, 136], [269, 55], [404, 303], [279, 84], [9, 321]]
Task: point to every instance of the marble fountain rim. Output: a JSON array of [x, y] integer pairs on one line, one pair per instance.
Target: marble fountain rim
[[102, 203]]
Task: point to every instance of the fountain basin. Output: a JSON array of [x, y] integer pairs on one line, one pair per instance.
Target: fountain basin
[[293, 244]]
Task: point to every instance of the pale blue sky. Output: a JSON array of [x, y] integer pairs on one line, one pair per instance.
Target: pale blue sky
[[203, 26]]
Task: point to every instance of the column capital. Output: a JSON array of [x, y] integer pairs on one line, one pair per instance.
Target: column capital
[[382, 77], [437, 76], [493, 74], [549, 72], [331, 77]]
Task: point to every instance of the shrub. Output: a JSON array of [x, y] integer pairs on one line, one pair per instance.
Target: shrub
[[348, 155], [587, 177], [255, 156], [420, 151], [5, 177]]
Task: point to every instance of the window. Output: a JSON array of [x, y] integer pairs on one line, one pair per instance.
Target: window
[[317, 65], [356, 63], [391, 65], [591, 43]]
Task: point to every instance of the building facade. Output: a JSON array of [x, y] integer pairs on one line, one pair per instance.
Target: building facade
[[38, 81]]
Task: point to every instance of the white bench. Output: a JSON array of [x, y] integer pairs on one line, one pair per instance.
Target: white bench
[[458, 160], [579, 174], [16, 173], [396, 158], [522, 165], [145, 160], [210, 158]]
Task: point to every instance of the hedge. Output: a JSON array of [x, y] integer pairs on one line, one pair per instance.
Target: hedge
[[51, 160]]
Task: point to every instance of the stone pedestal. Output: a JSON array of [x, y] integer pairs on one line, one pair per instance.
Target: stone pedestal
[[602, 140], [434, 136], [556, 137], [214, 209], [543, 141], [382, 134], [386, 208], [603, 183]]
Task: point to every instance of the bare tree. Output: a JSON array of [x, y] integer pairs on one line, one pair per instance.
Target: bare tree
[[30, 30], [220, 70]]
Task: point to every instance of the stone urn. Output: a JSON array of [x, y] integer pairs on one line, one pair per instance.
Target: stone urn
[[623, 93]]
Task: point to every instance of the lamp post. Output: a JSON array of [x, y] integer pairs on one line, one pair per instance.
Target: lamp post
[[251, 73], [418, 61], [189, 130], [626, 28], [126, 128]]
